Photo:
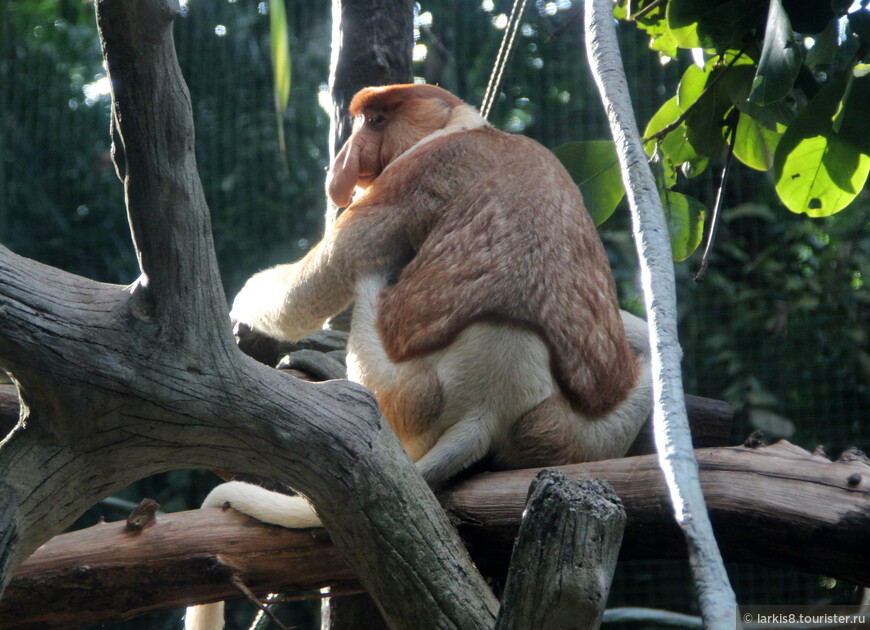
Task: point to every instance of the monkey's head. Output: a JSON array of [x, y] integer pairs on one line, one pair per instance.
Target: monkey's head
[[389, 121]]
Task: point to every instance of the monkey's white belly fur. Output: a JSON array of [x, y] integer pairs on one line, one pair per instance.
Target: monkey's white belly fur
[[490, 370]]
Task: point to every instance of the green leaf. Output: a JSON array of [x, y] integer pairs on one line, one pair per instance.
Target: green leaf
[[695, 167], [675, 146], [280, 53], [826, 45], [683, 17], [754, 144], [691, 86], [595, 169], [663, 171], [780, 61], [704, 126], [652, 21], [738, 83], [685, 217], [281, 69], [851, 121], [729, 74], [823, 159], [660, 39]]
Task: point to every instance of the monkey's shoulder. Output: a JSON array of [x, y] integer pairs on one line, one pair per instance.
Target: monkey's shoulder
[[485, 144], [506, 165]]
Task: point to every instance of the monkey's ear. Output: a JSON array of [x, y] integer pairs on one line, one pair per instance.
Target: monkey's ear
[[344, 174]]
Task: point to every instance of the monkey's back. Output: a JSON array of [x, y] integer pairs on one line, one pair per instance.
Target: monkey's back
[[510, 240]]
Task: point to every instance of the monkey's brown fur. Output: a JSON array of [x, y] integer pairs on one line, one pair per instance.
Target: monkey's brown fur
[[472, 238]]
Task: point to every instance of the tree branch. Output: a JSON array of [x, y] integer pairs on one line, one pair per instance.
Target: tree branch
[[777, 505], [673, 440], [710, 420]]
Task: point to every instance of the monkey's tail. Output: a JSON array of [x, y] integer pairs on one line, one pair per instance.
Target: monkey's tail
[[264, 505], [205, 617], [293, 512]]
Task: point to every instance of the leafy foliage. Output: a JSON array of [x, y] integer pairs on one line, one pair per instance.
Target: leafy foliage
[[821, 163], [594, 167], [786, 77], [790, 345]]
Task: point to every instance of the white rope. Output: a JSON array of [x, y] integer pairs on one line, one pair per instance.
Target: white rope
[[504, 50]]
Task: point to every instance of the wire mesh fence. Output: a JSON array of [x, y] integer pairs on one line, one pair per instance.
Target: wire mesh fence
[[779, 329]]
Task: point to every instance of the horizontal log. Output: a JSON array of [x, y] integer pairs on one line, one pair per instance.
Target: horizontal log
[[777, 505], [107, 573]]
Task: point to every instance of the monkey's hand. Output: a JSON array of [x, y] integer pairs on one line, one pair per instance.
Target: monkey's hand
[[288, 302], [260, 307], [255, 308]]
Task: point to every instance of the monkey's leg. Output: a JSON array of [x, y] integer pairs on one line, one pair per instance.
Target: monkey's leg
[[462, 445]]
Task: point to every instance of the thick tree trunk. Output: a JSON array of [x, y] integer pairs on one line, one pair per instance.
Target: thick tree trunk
[[776, 505], [371, 45], [119, 383]]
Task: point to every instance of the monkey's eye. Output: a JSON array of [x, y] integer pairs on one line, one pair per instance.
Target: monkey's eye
[[377, 119]]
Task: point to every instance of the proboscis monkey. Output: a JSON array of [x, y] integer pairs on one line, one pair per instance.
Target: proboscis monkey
[[485, 318]]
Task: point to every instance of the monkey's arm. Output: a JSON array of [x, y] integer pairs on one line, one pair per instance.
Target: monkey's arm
[[290, 301], [293, 300]]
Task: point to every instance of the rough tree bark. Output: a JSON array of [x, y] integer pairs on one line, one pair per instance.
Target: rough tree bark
[[119, 383], [710, 420], [571, 531]]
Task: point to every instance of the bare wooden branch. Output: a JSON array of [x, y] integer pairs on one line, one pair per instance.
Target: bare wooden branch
[[673, 439], [189, 556], [710, 422], [777, 505], [565, 555]]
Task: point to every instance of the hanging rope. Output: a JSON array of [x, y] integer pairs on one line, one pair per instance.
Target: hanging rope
[[504, 51]]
